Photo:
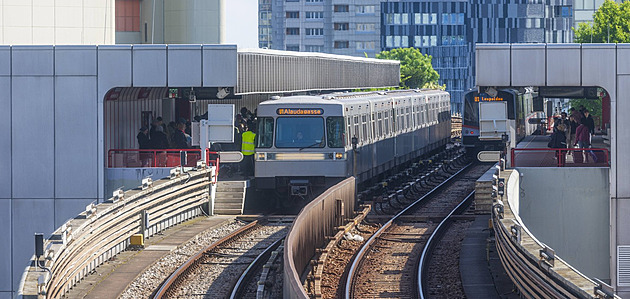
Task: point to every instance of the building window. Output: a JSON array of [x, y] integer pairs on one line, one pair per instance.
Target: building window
[[314, 1], [365, 9], [128, 15], [341, 44], [293, 31], [313, 48], [341, 26], [295, 48], [293, 14], [366, 27], [365, 45], [315, 31], [341, 8], [293, 0], [314, 14]]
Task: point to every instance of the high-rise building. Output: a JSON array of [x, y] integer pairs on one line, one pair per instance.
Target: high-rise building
[[169, 22], [449, 30], [57, 22], [337, 27]]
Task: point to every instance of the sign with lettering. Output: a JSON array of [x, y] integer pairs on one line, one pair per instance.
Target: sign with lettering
[[300, 111], [488, 99]]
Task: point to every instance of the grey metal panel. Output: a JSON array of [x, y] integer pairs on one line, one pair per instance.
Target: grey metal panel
[[114, 68], [28, 216], [623, 59], [32, 60], [575, 216], [493, 64], [598, 61], [5, 136], [68, 208], [5, 60], [33, 137], [184, 65], [613, 149], [620, 152], [75, 137], [75, 60], [564, 65], [623, 223], [528, 65], [5, 246], [149, 65], [219, 66]]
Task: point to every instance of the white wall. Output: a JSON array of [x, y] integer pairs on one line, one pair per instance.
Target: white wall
[[51, 125], [86, 22]]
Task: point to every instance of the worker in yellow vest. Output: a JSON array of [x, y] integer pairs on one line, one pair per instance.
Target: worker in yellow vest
[[247, 149]]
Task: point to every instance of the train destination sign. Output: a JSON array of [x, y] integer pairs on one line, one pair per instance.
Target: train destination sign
[[299, 111], [488, 99]]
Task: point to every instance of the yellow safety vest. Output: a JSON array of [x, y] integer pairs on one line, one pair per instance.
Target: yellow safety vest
[[247, 147]]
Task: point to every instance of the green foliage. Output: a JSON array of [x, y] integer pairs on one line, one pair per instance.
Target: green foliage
[[416, 70], [611, 25], [594, 106]]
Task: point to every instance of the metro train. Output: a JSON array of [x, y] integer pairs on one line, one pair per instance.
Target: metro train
[[520, 106], [306, 143]]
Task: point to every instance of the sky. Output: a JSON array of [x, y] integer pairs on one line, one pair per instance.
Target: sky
[[241, 23]]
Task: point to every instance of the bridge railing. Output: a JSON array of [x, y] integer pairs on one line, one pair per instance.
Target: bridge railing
[[535, 269], [319, 219], [560, 157], [102, 231]]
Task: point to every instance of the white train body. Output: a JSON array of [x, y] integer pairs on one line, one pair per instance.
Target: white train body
[[307, 140]]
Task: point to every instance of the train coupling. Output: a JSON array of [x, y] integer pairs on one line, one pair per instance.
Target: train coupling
[[299, 187]]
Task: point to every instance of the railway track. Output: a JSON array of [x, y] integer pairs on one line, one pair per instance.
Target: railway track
[[387, 264], [215, 271]]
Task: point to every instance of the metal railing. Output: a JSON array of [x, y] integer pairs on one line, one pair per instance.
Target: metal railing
[[143, 158], [560, 157], [102, 231]]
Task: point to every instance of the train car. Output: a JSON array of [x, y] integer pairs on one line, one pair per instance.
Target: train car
[[306, 143], [518, 112]]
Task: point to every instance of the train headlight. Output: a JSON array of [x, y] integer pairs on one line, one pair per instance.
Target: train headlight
[[339, 156], [262, 157]]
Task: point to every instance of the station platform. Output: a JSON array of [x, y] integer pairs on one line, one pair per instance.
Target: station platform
[[112, 278], [532, 151]]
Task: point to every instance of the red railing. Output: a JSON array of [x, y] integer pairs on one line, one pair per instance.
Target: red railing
[[560, 157], [148, 158]]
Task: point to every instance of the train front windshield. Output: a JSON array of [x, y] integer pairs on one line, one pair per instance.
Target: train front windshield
[[300, 132]]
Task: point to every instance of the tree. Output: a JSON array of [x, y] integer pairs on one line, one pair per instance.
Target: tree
[[611, 24], [416, 70]]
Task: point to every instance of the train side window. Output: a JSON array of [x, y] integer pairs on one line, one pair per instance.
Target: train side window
[[386, 118], [334, 128], [364, 132], [349, 131], [373, 121], [408, 115], [356, 132], [265, 132]]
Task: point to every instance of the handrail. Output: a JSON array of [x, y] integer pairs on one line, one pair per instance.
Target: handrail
[[557, 157], [150, 158], [102, 231]]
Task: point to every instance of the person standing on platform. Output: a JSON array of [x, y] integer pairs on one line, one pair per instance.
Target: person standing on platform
[[247, 149], [590, 123], [179, 139], [583, 137], [143, 138], [158, 138]]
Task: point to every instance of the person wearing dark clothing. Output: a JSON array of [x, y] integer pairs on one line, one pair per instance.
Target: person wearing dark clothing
[[143, 138], [158, 138], [589, 122], [583, 137], [157, 123], [559, 141], [179, 139]]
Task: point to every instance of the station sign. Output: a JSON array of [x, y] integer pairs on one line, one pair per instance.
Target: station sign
[[488, 99], [299, 111]]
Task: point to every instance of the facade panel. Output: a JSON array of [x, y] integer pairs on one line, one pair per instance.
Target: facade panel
[[5, 136], [32, 132], [149, 65], [184, 65], [32, 61], [75, 137], [75, 60], [531, 63], [564, 65]]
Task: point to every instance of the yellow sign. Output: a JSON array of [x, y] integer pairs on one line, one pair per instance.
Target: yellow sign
[[299, 111], [488, 99]]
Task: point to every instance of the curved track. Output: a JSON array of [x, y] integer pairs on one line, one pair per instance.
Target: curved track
[[214, 271], [387, 264]]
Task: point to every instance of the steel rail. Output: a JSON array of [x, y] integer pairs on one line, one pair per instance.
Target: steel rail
[[240, 286], [176, 276], [434, 238], [359, 257]]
